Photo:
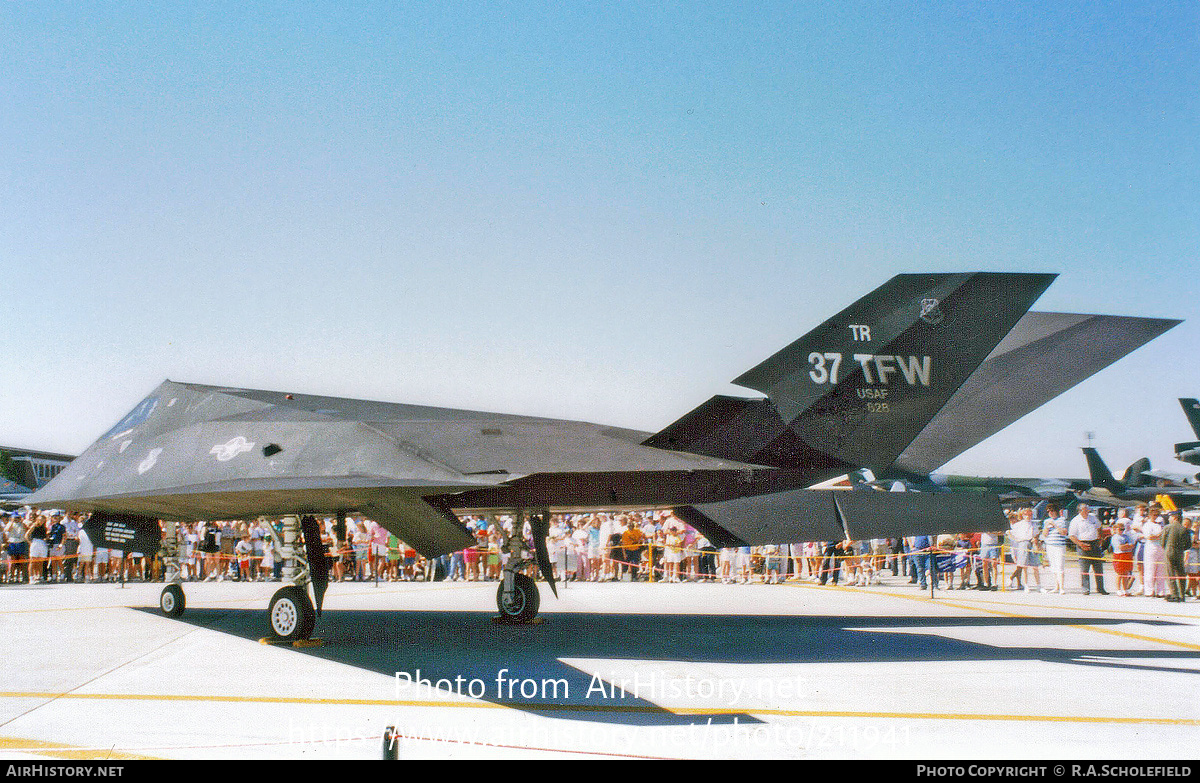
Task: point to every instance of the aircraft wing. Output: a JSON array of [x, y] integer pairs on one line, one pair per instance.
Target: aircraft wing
[[1174, 479], [191, 452], [1044, 355]]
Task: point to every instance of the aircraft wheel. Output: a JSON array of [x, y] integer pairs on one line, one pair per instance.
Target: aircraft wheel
[[171, 600], [291, 614], [522, 605]]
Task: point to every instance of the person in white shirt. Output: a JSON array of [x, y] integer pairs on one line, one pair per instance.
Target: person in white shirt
[[610, 542], [1154, 578], [581, 541], [1021, 535], [1084, 531], [86, 551], [1054, 539], [989, 556]]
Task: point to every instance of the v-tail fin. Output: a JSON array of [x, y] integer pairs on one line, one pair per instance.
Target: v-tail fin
[[855, 391]]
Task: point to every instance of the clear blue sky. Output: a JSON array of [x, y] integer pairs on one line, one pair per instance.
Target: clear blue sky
[[578, 211]]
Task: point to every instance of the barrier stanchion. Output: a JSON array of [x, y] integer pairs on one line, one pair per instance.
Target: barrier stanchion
[[934, 572]]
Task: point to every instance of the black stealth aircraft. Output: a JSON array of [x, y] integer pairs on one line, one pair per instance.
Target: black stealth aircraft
[[853, 393]]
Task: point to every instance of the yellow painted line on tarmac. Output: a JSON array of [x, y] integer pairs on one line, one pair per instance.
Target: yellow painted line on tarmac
[[1102, 610], [1080, 626], [975, 608], [59, 750], [1096, 609], [1139, 637], [924, 595], [951, 716], [1085, 627], [608, 708]]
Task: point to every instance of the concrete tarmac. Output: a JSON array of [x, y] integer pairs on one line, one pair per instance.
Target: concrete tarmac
[[616, 670]]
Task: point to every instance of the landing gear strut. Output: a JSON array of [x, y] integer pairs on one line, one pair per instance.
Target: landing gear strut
[[291, 614], [517, 597], [171, 600]]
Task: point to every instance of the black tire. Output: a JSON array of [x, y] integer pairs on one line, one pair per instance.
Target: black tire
[[525, 600], [171, 600], [291, 614]]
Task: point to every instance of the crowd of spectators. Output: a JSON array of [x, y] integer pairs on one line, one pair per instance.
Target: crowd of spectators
[[1153, 553]]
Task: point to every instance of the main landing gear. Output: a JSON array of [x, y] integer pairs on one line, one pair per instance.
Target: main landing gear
[[171, 600], [291, 614], [517, 597]]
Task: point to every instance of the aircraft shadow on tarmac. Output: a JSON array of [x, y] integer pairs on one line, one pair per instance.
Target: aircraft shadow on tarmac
[[445, 645]]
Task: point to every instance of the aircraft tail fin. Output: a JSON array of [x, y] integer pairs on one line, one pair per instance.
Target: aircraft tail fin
[[1191, 409], [856, 390], [1099, 473], [1135, 474], [1044, 355]]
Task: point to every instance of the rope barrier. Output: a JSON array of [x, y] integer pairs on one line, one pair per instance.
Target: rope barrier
[[974, 558], [653, 565]]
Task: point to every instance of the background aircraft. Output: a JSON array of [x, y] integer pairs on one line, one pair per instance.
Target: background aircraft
[[1190, 452], [1138, 485], [1007, 487], [12, 494]]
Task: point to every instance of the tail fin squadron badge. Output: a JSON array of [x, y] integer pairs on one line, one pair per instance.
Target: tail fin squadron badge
[[930, 313]]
